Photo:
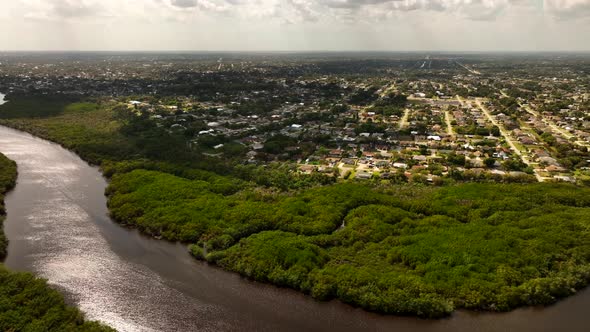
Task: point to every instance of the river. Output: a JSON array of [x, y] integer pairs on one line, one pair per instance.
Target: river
[[59, 228]]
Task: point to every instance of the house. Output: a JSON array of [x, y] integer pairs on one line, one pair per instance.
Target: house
[[419, 158], [335, 153], [541, 154], [307, 169], [205, 132], [548, 161], [363, 175], [348, 161], [564, 178], [555, 169], [526, 140], [382, 163]]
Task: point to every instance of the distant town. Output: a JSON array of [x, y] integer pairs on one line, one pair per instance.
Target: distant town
[[401, 117]]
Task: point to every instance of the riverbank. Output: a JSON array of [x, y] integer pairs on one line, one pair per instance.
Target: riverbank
[[8, 175], [28, 303], [404, 250]]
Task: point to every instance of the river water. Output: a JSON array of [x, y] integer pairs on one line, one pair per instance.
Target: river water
[[59, 229]]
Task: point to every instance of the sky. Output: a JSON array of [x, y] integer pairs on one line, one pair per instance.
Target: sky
[[295, 25]]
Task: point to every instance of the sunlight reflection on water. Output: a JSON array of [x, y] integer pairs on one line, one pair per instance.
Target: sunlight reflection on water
[[67, 248]]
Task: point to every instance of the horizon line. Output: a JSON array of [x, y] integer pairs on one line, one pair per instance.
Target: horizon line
[[289, 51]]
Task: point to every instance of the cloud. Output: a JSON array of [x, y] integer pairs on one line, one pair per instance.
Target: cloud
[[208, 5], [61, 9], [354, 4], [568, 9], [297, 24], [298, 11], [474, 9], [184, 3], [76, 9], [480, 10]]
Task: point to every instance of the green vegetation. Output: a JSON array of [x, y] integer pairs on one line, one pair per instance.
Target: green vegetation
[[85, 128], [7, 182], [401, 250], [110, 135], [28, 303], [410, 250]]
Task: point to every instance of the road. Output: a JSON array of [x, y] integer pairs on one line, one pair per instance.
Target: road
[[386, 90], [550, 123], [474, 72], [450, 130], [553, 126], [509, 140], [404, 121], [506, 136]]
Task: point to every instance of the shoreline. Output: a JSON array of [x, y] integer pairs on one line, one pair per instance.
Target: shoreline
[[144, 234], [53, 298], [135, 228]]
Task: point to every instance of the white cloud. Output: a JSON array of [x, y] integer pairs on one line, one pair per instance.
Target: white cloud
[[567, 9], [297, 24], [303, 10]]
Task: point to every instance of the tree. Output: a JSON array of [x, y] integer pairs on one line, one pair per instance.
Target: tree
[[495, 131], [456, 159], [490, 162]]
